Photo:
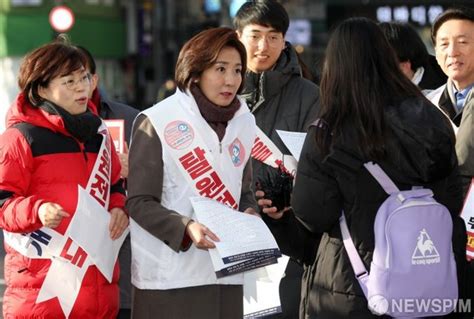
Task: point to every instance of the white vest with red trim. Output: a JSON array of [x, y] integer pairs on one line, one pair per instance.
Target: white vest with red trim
[[154, 264]]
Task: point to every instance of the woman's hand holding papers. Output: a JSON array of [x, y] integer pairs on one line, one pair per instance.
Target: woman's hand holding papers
[[198, 232], [118, 222]]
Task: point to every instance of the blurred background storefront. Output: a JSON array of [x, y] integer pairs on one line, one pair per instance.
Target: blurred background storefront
[[136, 42], [167, 24], [98, 25]]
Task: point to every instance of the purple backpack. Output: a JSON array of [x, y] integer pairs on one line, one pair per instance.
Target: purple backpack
[[413, 272]]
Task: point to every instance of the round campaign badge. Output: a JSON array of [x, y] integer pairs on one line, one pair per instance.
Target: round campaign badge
[[237, 152], [179, 135]]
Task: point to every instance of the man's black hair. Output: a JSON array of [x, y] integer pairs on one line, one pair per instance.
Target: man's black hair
[[267, 13], [458, 13], [407, 43]]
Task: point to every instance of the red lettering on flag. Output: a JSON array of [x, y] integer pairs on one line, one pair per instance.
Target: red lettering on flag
[[79, 256], [104, 164], [100, 189]]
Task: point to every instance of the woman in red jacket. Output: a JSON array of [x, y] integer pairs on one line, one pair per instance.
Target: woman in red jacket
[[54, 143]]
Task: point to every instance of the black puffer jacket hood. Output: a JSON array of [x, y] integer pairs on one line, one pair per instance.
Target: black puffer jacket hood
[[280, 99], [262, 86]]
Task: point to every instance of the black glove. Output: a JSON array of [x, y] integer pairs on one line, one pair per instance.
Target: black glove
[[277, 183]]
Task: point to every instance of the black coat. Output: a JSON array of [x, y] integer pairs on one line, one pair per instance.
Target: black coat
[[115, 110], [281, 99], [420, 151], [434, 76]]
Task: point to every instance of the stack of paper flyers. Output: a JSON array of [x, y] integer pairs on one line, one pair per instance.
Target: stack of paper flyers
[[245, 243]]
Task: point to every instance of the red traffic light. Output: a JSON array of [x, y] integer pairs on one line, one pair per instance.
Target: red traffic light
[[61, 18]]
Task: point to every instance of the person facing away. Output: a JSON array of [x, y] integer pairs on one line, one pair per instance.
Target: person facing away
[[414, 60], [52, 142], [453, 37], [207, 129], [108, 109], [370, 111], [278, 96]]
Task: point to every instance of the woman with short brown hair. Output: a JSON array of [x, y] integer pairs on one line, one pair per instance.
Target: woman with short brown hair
[[195, 142], [202, 51], [51, 147]]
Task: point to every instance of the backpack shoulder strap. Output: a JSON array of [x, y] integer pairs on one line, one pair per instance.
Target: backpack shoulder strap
[[358, 266], [387, 184]]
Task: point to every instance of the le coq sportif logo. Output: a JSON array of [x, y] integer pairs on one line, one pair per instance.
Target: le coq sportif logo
[[425, 252]]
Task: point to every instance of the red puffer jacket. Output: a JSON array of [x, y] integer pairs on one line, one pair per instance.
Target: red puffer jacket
[[41, 162]]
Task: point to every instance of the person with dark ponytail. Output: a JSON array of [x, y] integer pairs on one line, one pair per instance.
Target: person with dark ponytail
[[370, 111], [413, 57]]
